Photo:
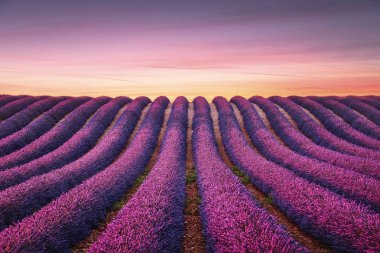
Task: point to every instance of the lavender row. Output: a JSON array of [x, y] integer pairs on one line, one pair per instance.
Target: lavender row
[[340, 222], [80, 143], [336, 125], [15, 106], [370, 100], [153, 219], [24, 117], [346, 182], [368, 111], [319, 134], [70, 218], [298, 142], [356, 120], [5, 99], [21, 200], [233, 221], [55, 137], [39, 126]]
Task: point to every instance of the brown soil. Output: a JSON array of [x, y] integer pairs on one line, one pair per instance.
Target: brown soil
[[122, 109], [286, 115], [311, 115], [193, 239], [266, 122], [84, 245], [265, 201]]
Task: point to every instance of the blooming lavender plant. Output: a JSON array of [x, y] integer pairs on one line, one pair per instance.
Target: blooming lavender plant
[[25, 198], [356, 120], [39, 126], [342, 223], [335, 125], [319, 134], [24, 117], [367, 110], [68, 219], [80, 143], [233, 221], [5, 99], [153, 219], [55, 137], [17, 105], [370, 100], [342, 181], [298, 142]]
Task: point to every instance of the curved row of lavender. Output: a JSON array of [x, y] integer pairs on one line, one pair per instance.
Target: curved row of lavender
[[233, 221], [342, 181], [80, 143], [23, 199], [340, 222], [24, 117], [68, 219], [56, 136], [5, 99], [153, 219], [353, 118], [318, 133], [17, 105], [298, 142], [39, 126], [335, 124], [370, 100], [367, 110]]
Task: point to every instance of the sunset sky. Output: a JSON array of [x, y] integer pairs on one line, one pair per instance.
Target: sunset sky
[[189, 47]]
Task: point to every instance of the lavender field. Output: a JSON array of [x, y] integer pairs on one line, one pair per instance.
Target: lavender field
[[278, 174]]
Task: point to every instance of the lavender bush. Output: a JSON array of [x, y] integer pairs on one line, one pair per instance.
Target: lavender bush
[[24, 117], [80, 143], [336, 125], [342, 181], [298, 142], [233, 221], [55, 137], [23, 199], [356, 120], [153, 219], [340, 222], [39, 126], [68, 219], [17, 105], [319, 134]]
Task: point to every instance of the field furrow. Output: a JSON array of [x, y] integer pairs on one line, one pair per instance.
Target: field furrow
[[365, 109], [370, 100], [315, 209], [298, 142], [5, 99], [79, 144], [233, 221], [319, 134], [39, 126], [355, 119], [193, 240], [16, 106], [154, 217], [336, 125], [58, 135], [21, 200], [24, 117], [342, 181], [296, 174], [71, 216]]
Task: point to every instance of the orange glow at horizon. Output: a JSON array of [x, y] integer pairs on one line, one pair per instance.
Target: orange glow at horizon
[[266, 80]]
